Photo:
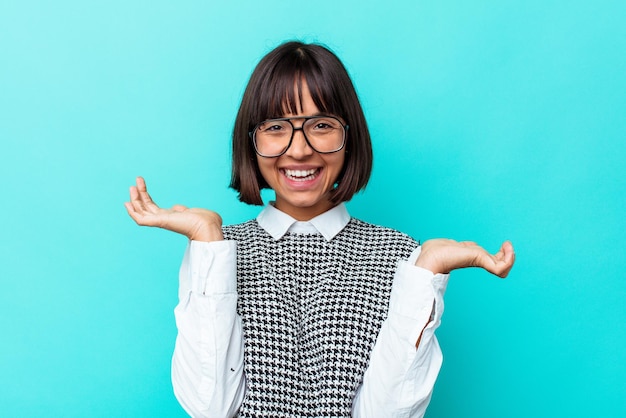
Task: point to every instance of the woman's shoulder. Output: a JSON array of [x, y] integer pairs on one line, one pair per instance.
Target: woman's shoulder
[[241, 230], [374, 232]]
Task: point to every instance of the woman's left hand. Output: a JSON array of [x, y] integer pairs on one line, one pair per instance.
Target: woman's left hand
[[445, 255]]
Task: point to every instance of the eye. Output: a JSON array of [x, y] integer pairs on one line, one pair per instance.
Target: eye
[[324, 124], [273, 127]]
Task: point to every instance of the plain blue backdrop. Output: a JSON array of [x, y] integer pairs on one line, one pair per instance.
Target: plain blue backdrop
[[491, 120]]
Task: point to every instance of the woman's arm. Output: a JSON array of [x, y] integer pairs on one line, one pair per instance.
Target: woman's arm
[[444, 255], [406, 358], [207, 366], [400, 377]]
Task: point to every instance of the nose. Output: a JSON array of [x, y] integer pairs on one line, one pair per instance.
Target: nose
[[299, 148]]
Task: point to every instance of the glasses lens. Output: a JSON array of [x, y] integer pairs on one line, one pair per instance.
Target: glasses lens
[[325, 133], [272, 137]]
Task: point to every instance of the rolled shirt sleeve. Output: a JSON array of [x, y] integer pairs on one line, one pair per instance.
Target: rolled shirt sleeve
[[400, 377], [207, 365]]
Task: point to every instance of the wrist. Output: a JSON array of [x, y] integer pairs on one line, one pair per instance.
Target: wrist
[[208, 233], [430, 264], [426, 266]]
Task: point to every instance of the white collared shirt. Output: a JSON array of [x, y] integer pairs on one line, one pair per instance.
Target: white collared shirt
[[329, 223], [207, 366]]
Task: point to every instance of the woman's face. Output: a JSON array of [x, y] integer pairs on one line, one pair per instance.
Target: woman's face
[[302, 178]]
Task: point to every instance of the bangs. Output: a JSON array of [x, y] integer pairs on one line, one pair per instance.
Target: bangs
[[282, 92]]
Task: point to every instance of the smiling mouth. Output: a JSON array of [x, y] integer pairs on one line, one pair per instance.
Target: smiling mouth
[[301, 175]]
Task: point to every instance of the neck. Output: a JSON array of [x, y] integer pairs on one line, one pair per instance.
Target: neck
[[304, 213]]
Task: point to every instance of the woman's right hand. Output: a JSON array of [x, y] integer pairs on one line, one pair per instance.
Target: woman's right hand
[[196, 224]]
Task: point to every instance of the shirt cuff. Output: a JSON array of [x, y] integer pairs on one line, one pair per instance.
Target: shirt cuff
[[416, 298], [213, 267], [412, 294]]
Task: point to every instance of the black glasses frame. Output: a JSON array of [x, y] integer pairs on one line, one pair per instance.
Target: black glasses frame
[[252, 134]]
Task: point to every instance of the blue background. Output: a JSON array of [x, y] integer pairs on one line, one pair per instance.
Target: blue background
[[491, 120]]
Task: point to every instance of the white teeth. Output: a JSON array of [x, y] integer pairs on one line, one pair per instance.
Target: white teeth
[[301, 174]]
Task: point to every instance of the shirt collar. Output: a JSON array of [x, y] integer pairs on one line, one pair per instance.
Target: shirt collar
[[329, 223]]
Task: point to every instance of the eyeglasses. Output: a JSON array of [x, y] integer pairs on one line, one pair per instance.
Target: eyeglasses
[[273, 137]]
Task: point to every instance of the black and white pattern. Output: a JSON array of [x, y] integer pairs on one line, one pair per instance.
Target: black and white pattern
[[311, 311]]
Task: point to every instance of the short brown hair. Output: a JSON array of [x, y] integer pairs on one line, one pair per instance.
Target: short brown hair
[[270, 94]]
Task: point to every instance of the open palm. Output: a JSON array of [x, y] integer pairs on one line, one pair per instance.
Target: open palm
[[195, 223]]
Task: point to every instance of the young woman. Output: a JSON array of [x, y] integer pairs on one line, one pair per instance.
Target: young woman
[[305, 311]]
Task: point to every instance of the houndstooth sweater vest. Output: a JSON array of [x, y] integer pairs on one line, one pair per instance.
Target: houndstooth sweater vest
[[311, 311]]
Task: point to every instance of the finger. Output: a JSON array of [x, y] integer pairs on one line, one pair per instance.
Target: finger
[[489, 262], [140, 216], [141, 183], [134, 198], [506, 252], [143, 190], [504, 260], [132, 212], [509, 256], [129, 208], [503, 270], [509, 251], [137, 208], [136, 201], [144, 196]]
